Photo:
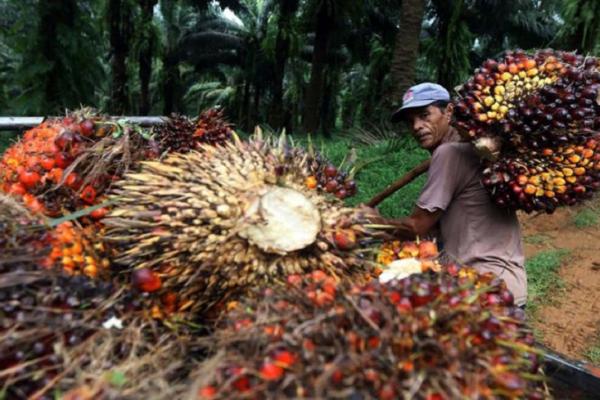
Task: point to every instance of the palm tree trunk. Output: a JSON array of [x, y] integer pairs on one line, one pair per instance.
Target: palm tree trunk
[[145, 57], [406, 49], [119, 20], [62, 13], [282, 49], [314, 94]]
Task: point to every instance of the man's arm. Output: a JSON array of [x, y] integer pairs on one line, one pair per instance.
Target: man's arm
[[419, 223]]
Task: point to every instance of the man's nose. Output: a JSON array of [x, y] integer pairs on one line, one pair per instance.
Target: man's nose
[[417, 124]]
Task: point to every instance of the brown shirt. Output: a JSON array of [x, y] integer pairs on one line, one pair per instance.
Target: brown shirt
[[473, 230]]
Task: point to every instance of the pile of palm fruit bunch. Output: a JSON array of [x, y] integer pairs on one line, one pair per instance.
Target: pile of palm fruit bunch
[[537, 118], [57, 331], [429, 336], [68, 164], [199, 229]]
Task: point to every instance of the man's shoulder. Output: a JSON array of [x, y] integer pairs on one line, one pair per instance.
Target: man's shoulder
[[453, 149]]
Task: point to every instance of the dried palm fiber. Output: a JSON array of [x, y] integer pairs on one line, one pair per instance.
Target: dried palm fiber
[[429, 336], [209, 224], [22, 234]]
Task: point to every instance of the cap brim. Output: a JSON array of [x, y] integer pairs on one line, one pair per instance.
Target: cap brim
[[398, 115]]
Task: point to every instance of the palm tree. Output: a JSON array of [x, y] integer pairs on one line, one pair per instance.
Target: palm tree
[[147, 38], [236, 41], [287, 9], [177, 19], [406, 48], [120, 28], [581, 30]]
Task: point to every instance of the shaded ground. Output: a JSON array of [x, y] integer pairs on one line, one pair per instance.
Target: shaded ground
[[567, 319]]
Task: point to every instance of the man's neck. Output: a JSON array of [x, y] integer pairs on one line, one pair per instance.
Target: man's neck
[[451, 136]]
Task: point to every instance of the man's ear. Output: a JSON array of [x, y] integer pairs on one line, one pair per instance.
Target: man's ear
[[450, 109]]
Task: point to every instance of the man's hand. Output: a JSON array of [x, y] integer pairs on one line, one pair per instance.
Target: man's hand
[[419, 223]]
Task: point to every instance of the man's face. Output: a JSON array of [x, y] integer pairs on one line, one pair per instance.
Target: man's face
[[429, 125]]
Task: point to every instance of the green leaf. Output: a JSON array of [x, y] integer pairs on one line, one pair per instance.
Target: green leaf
[[116, 378], [52, 222]]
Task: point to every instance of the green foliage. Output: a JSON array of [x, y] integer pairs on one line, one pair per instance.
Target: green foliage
[[593, 353], [536, 239], [58, 50], [376, 176], [6, 139], [542, 276], [582, 27], [586, 217]]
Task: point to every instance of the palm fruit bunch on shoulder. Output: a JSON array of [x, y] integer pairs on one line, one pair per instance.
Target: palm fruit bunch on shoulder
[[450, 336], [544, 179], [208, 225], [529, 113]]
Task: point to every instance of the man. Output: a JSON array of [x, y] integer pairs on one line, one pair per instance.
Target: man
[[472, 229]]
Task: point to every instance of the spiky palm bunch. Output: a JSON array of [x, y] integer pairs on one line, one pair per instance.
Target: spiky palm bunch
[[209, 224]]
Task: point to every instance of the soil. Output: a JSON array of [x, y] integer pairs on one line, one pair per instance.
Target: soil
[[569, 320]]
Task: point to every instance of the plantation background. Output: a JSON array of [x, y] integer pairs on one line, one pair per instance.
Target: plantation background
[[331, 69]]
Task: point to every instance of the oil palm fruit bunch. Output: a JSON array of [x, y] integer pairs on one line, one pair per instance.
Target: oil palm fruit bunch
[[180, 134], [78, 250], [327, 177], [402, 259], [207, 225], [537, 116], [212, 128], [21, 230], [59, 332], [543, 179], [47, 168], [450, 336]]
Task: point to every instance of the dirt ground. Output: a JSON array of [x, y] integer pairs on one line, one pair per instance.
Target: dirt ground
[[569, 322]]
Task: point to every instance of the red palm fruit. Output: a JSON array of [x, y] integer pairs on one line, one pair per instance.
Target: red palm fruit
[[29, 179], [285, 358], [207, 392], [345, 239], [428, 249], [387, 392], [341, 194], [99, 213], [331, 186], [409, 249], [62, 160], [47, 162], [330, 171], [271, 372], [337, 376], [17, 188], [86, 127], [64, 140], [146, 280], [88, 194], [242, 384]]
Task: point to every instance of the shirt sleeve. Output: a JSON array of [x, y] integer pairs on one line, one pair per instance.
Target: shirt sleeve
[[443, 179]]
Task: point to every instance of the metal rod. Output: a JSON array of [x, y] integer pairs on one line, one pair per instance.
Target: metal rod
[[20, 123]]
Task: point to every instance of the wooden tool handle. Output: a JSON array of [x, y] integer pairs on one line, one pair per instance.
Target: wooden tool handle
[[405, 180]]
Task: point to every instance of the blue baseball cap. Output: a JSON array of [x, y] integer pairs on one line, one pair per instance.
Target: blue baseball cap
[[421, 95]]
